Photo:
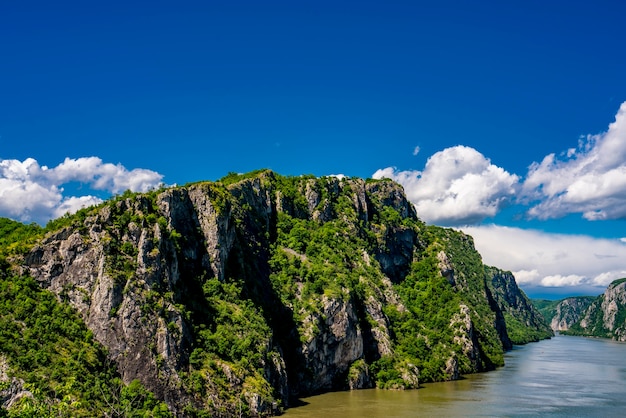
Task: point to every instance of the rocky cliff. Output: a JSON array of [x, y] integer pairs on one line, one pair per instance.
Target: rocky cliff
[[235, 296], [562, 314], [524, 322], [605, 316]]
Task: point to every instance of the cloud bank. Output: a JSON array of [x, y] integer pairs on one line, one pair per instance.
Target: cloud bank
[[574, 263], [458, 186], [31, 192], [589, 179]]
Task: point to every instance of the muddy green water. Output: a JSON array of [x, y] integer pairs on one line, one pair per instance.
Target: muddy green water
[[564, 376]]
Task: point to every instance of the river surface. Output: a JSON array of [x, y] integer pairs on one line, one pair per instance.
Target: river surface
[[564, 376]]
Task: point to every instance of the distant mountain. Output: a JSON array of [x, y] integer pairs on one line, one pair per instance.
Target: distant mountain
[[593, 316], [562, 314], [230, 298], [606, 315]]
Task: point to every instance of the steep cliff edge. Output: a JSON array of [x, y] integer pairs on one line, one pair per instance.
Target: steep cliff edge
[[562, 314], [524, 322], [234, 296], [605, 316]]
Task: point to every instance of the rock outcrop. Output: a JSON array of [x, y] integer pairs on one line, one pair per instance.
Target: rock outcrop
[[244, 293], [11, 389], [606, 315], [600, 316], [521, 319], [568, 312]]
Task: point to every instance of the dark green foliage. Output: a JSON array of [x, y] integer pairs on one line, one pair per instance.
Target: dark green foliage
[[72, 220], [618, 282], [546, 307], [520, 333], [232, 341], [47, 345], [424, 332], [16, 237], [524, 323]]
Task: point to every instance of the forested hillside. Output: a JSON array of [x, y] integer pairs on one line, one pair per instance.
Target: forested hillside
[[233, 297], [562, 314], [605, 315]]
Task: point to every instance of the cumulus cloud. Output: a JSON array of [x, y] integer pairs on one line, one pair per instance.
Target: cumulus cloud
[[338, 176], [31, 192], [574, 263], [113, 178], [458, 186], [590, 179]]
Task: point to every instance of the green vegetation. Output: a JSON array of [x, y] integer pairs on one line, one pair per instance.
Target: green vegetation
[[48, 347], [618, 282], [245, 307], [233, 177], [600, 322], [436, 301], [231, 347], [312, 259], [570, 309], [520, 333], [17, 238], [546, 307]]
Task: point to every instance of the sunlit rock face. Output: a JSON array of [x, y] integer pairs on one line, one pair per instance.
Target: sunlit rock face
[[328, 271], [606, 316], [568, 312]]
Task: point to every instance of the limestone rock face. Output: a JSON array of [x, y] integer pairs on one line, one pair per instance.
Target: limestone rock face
[[445, 267], [334, 342], [466, 338], [568, 312], [128, 279], [516, 306], [604, 316], [147, 338], [614, 301], [139, 268], [11, 388]]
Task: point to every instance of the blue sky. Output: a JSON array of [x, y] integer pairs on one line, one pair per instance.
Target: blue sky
[[462, 102]]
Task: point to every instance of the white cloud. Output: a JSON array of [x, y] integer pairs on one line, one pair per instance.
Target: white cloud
[[30, 192], [558, 280], [73, 203], [458, 186], [590, 179], [575, 263], [523, 277], [102, 176], [338, 176], [416, 150]]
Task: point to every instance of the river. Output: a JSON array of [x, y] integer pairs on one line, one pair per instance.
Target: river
[[561, 377]]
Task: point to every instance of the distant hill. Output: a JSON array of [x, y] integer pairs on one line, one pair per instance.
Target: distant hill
[[231, 297], [562, 314], [593, 316], [606, 315]]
